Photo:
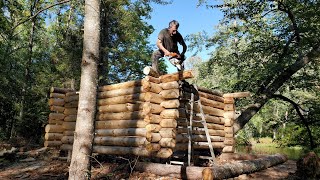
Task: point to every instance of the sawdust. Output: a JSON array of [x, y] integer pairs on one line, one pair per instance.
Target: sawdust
[[47, 167]]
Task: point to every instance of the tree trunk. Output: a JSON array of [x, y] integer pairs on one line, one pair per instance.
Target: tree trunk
[[267, 91], [224, 171], [84, 132]]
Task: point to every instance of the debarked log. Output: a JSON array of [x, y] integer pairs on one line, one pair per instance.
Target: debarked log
[[149, 71], [170, 94], [52, 143], [145, 97], [120, 150], [170, 114], [122, 132], [210, 91], [115, 108], [228, 122], [168, 132], [199, 124], [56, 102], [168, 123], [69, 125], [71, 98], [183, 138], [181, 75], [152, 118], [237, 95], [234, 169], [70, 111], [153, 137], [199, 145], [229, 107], [138, 151], [120, 124], [60, 90], [72, 104], [67, 139], [200, 131], [120, 116], [212, 103], [50, 128], [55, 121], [68, 133], [167, 142], [152, 87], [228, 149], [153, 147], [71, 118], [209, 110], [121, 85], [122, 92], [58, 109], [211, 96], [120, 141], [152, 79], [224, 171], [170, 85], [53, 136], [173, 103], [151, 108], [57, 95], [153, 128], [211, 119], [58, 116], [112, 141]]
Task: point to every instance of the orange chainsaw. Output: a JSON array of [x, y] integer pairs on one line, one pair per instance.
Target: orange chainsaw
[[172, 58]]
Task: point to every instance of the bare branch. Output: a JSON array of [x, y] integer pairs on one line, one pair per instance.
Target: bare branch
[[297, 108], [40, 11]]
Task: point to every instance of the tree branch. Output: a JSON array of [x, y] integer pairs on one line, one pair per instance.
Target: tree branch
[[268, 91], [40, 11], [297, 108]]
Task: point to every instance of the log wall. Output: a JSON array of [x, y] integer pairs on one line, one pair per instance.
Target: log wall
[[147, 117]]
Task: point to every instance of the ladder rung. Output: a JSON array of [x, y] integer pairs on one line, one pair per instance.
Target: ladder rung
[[177, 162]]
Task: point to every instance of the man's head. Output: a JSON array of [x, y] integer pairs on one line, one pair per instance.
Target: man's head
[[173, 27]]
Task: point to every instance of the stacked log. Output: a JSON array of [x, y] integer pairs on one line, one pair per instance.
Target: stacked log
[[54, 130], [70, 113], [147, 117], [128, 118], [170, 114], [213, 107], [229, 116]]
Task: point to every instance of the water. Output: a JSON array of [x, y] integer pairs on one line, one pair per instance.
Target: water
[[293, 153]]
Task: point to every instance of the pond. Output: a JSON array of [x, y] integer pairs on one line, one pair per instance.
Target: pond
[[293, 153]]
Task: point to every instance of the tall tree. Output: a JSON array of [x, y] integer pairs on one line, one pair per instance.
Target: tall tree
[[84, 133], [264, 46]]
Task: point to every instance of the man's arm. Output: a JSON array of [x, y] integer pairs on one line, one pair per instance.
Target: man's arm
[[160, 46], [184, 47]]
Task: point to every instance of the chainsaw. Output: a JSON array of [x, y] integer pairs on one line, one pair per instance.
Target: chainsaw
[[172, 58]]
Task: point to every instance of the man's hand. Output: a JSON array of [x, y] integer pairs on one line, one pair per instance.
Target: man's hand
[[180, 56], [167, 53]]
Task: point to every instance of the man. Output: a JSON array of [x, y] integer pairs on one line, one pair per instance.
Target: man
[[167, 43]]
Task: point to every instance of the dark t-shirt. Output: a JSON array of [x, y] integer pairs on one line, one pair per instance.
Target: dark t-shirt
[[170, 42]]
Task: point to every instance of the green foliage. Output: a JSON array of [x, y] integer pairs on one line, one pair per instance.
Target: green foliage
[[255, 42], [41, 47]]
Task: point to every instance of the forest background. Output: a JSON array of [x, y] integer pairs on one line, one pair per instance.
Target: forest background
[[270, 48]]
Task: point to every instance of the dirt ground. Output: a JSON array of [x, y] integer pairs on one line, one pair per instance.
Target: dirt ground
[[48, 166]]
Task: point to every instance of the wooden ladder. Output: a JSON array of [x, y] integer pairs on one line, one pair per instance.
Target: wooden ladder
[[192, 101]]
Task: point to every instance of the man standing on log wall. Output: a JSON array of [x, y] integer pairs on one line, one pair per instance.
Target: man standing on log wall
[[167, 43]]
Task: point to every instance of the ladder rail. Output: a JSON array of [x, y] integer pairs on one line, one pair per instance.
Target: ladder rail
[[190, 150], [203, 121]]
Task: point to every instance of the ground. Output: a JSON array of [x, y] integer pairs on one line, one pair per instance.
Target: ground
[[45, 164]]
